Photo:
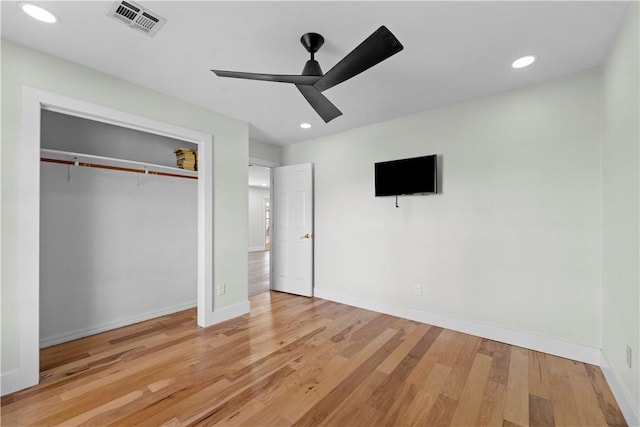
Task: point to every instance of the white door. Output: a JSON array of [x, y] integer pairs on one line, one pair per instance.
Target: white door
[[292, 245]]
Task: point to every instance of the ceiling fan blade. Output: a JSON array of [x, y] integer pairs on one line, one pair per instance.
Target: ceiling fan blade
[[281, 78], [374, 49], [319, 102]]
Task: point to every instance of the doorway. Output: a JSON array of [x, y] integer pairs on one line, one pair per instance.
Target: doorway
[[260, 221]]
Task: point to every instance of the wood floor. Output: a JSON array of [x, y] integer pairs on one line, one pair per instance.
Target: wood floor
[[306, 362], [259, 279]]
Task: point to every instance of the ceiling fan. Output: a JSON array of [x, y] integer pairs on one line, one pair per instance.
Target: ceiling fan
[[312, 82]]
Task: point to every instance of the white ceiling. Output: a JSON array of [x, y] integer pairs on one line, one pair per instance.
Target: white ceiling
[[453, 51]]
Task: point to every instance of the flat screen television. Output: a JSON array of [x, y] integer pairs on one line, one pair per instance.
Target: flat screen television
[[417, 175]]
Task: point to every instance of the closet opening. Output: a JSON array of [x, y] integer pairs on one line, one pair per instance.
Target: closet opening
[[118, 226], [27, 268]]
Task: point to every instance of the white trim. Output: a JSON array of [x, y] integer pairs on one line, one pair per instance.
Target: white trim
[[262, 162], [79, 333], [12, 381], [228, 313], [257, 249], [553, 346], [27, 266], [205, 237], [627, 405], [28, 217]]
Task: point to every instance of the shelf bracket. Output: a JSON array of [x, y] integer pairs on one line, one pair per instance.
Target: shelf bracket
[[146, 172], [69, 170]]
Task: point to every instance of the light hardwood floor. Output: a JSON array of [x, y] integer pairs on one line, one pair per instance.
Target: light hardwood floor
[[259, 279], [306, 362]]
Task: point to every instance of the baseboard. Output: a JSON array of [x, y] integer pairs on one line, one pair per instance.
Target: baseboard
[[257, 249], [227, 313], [627, 405], [16, 380], [80, 333], [553, 346]]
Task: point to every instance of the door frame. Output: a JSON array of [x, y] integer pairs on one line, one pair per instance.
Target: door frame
[[28, 218]]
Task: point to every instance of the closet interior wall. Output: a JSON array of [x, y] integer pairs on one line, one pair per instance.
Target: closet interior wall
[[115, 247]]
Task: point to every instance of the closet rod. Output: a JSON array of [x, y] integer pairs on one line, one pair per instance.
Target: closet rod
[[117, 168]]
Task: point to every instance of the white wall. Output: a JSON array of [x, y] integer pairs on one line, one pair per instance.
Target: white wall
[[115, 248], [262, 151], [621, 205], [256, 218], [514, 239], [229, 154]]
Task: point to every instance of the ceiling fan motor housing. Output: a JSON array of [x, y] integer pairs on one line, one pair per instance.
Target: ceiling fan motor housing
[[312, 68]]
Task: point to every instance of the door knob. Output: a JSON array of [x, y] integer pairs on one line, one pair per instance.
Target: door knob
[[306, 236]]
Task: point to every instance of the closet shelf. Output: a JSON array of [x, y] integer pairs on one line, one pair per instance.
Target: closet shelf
[[102, 162]]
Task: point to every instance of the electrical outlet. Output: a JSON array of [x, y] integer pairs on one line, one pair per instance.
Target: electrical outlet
[[222, 288], [417, 290], [628, 357]]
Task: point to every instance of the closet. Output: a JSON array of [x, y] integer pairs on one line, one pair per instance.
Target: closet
[[118, 227]]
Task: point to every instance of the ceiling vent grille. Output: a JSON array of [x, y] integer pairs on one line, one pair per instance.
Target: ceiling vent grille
[[136, 17]]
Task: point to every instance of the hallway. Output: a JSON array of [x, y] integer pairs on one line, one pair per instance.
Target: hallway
[[259, 272]]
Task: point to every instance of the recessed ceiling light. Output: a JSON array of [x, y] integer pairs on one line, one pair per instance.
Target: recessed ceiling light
[[39, 13], [525, 61], [305, 125]]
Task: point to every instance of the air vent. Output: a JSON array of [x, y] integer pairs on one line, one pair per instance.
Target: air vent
[[136, 17]]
